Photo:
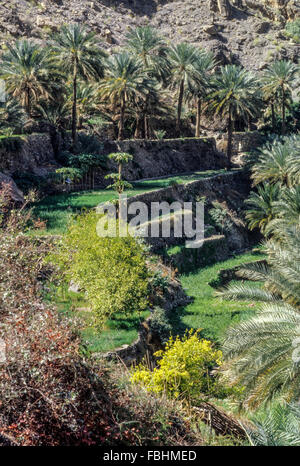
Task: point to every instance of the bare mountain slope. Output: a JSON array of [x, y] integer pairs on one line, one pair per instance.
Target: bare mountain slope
[[249, 32]]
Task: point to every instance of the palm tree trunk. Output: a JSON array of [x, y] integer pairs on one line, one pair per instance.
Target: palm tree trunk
[[198, 118], [273, 117], [249, 122], [122, 118], [138, 129], [74, 107], [28, 102], [146, 126], [179, 108], [229, 140], [283, 113]]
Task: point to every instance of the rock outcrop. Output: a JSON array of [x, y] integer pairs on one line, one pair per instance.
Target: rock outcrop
[[34, 154], [177, 21]]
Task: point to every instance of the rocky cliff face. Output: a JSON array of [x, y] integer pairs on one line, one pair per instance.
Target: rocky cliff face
[[249, 32]]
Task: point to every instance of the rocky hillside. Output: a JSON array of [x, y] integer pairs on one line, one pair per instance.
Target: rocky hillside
[[250, 32]]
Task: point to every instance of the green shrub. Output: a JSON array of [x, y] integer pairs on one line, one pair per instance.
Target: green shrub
[[112, 271], [292, 30], [159, 281], [160, 324], [220, 217]]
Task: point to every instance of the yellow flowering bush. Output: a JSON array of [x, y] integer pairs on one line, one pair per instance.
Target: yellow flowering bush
[[184, 368]]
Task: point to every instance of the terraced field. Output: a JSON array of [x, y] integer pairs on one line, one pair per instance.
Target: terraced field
[[56, 210]]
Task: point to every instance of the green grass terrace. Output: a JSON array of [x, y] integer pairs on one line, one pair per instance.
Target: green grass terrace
[[56, 210]]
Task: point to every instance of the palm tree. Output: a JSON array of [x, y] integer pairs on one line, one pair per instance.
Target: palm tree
[[55, 115], [182, 58], [12, 115], [278, 162], [280, 77], [286, 211], [125, 83], [235, 96], [200, 83], [86, 104], [145, 44], [278, 426], [261, 206], [28, 73], [77, 52], [262, 351]]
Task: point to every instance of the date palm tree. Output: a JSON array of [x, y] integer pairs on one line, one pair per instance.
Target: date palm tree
[[262, 352], [280, 78], [182, 58], [12, 115], [78, 53], [261, 206], [286, 213], [28, 73], [235, 95], [145, 44], [279, 425], [278, 162], [125, 84]]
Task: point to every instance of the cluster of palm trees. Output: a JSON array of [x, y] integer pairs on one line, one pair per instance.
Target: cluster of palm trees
[[263, 351], [74, 77]]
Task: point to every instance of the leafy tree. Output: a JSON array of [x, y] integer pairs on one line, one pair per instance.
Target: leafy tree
[[27, 70], [279, 78], [150, 48], [235, 95], [125, 83], [119, 184], [77, 52], [182, 58]]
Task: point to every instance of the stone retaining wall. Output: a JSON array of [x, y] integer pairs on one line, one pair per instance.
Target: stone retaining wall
[[35, 155]]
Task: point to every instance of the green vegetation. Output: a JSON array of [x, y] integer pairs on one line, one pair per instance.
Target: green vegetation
[[235, 96], [183, 369], [56, 210], [262, 352], [276, 426], [292, 30], [134, 90], [112, 271], [206, 311], [244, 337], [117, 331]]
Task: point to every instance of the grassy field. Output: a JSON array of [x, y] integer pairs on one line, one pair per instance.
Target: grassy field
[[117, 332], [56, 210], [206, 311]]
